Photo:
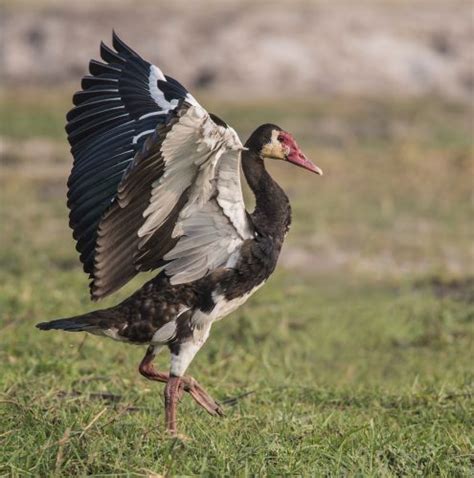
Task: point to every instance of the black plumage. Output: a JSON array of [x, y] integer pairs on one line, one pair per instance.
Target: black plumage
[[155, 184]]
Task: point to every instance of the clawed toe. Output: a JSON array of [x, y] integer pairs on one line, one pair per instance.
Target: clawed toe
[[202, 398], [184, 384]]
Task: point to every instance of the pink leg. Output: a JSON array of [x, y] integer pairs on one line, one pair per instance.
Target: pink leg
[[200, 396], [148, 371], [172, 391]]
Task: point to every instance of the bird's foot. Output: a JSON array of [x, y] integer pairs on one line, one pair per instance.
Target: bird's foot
[[188, 384], [201, 397]]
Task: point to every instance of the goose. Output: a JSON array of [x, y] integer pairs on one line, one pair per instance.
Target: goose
[[155, 185]]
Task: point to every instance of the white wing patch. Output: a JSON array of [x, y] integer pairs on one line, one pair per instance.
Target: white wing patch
[[182, 160], [207, 242], [180, 205], [228, 182], [202, 158], [157, 95]]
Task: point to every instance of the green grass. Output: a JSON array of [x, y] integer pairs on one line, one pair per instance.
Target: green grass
[[354, 360]]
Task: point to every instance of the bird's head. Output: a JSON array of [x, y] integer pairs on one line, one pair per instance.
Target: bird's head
[[271, 142]]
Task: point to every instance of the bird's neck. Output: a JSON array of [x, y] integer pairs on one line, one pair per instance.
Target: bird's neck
[[272, 214]]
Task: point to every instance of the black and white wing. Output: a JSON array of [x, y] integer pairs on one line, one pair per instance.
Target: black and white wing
[[179, 205], [156, 178], [120, 104]]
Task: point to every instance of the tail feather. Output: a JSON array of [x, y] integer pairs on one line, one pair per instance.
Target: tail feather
[[72, 324], [80, 323]]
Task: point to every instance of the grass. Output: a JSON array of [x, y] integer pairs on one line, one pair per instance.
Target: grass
[[354, 360]]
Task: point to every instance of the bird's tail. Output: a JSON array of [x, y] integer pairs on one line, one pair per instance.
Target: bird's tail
[[80, 323]]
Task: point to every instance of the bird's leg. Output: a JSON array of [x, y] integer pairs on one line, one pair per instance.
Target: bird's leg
[[190, 385], [173, 390], [182, 354], [146, 366], [147, 369]]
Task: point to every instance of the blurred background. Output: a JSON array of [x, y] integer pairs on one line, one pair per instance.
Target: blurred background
[[379, 93], [375, 286]]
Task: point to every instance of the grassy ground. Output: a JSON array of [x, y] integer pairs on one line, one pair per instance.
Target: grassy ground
[[354, 360]]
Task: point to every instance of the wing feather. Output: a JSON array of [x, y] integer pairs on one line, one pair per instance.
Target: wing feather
[[155, 180], [178, 206], [119, 106]]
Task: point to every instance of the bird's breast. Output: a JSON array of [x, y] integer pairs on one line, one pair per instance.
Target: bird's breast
[[222, 307]]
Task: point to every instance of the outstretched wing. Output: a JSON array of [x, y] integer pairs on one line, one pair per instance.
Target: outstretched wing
[[179, 204], [121, 103]]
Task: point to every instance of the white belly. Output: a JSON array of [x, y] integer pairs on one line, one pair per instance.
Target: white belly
[[202, 325], [223, 307]]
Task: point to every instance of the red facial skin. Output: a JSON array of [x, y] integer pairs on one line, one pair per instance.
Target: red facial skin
[[295, 155]]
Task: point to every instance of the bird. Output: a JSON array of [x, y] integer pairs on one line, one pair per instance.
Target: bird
[[155, 185]]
